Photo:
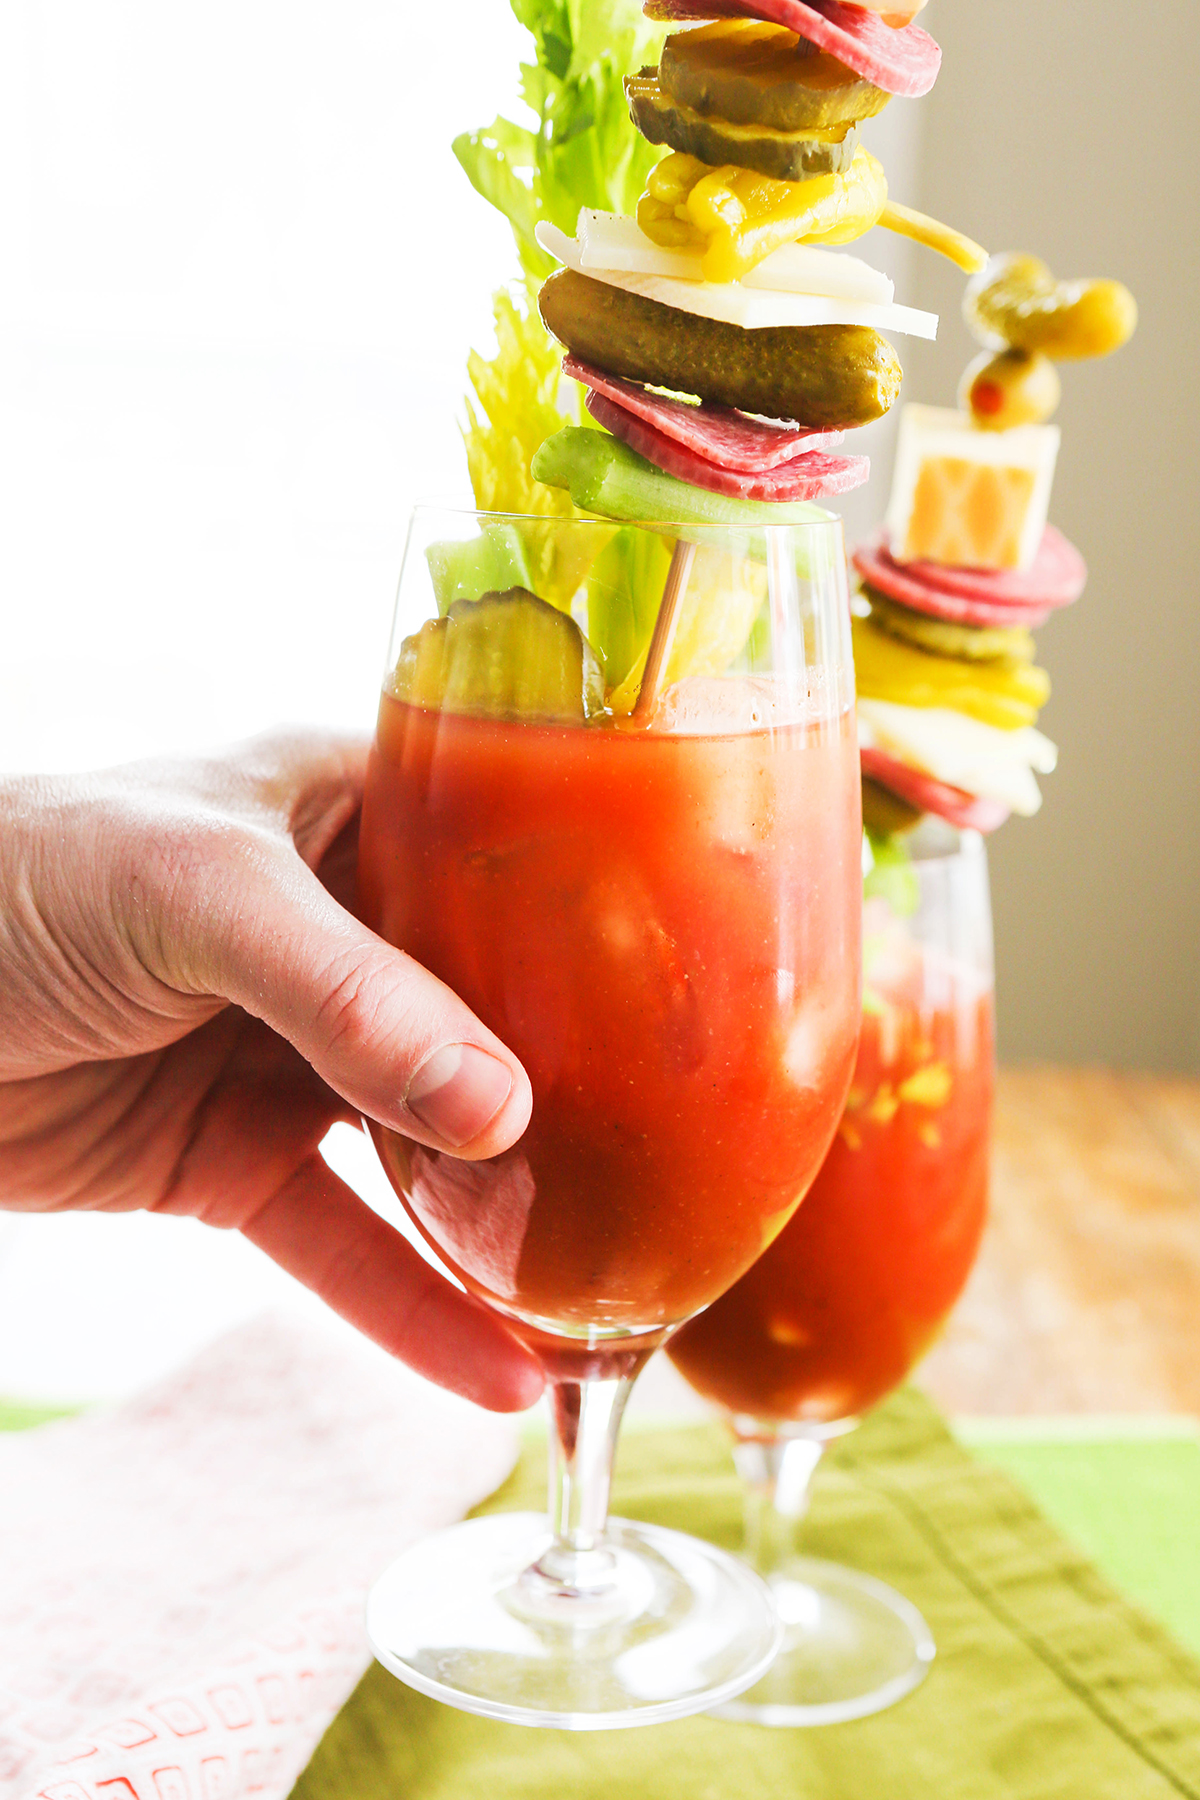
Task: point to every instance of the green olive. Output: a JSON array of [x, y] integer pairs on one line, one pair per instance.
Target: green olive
[[1016, 303], [1010, 387]]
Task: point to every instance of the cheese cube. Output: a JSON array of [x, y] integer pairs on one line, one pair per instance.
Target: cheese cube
[[969, 498]]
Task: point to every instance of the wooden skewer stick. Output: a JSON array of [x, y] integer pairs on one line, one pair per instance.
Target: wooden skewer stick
[[682, 558]]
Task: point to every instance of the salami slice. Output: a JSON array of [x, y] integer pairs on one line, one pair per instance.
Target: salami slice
[[895, 584], [803, 477], [904, 61], [1055, 578], [955, 805], [720, 434]]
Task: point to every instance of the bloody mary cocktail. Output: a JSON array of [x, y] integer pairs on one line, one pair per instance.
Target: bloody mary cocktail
[[660, 925], [856, 1287]]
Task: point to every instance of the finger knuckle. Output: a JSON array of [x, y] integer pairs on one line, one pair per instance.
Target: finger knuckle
[[369, 1003]]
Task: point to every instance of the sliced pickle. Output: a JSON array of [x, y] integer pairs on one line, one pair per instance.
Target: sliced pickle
[[786, 155], [504, 656], [885, 813], [752, 73], [942, 637]]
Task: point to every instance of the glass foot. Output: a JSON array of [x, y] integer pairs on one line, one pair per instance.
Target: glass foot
[[669, 1625], [852, 1646]]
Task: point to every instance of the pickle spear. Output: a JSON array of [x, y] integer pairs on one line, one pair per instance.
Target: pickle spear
[[824, 376]]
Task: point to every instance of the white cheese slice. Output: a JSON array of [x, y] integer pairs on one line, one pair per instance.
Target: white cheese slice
[[961, 751], [754, 309], [615, 241]]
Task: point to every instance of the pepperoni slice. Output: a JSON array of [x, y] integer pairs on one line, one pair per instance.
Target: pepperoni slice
[[904, 61], [803, 477], [720, 434], [1055, 578], [969, 812]]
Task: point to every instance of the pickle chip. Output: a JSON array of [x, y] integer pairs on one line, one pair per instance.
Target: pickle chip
[[504, 656], [822, 376], [943, 637], [785, 155], [885, 813], [752, 73]]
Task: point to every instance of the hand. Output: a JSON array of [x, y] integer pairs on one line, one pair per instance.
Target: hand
[[187, 1005]]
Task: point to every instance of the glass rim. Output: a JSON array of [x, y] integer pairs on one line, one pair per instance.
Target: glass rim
[[965, 842], [661, 527]]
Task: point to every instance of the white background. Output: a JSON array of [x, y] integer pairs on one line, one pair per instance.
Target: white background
[[240, 271], [239, 274]]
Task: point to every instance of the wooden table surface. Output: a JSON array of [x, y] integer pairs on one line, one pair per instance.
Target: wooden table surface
[[1086, 1297]]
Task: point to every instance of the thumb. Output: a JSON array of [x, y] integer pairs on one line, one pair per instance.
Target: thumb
[[387, 1035]]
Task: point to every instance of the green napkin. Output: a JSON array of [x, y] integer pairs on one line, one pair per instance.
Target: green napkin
[[1125, 1490], [1048, 1685]]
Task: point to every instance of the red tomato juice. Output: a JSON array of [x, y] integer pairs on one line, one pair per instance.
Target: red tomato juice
[[854, 1290], [665, 928]]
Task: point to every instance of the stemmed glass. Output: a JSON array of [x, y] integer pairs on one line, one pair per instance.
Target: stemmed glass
[[637, 858], [856, 1287]]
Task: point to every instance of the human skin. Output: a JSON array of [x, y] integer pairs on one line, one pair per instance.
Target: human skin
[[187, 1004]]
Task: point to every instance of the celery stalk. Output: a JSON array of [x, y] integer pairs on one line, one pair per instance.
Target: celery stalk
[[605, 477], [489, 564]]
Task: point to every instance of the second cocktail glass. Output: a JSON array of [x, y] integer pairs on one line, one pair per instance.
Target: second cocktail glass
[[657, 908], [856, 1288]]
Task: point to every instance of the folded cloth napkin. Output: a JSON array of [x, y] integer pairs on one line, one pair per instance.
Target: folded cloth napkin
[[1047, 1685], [182, 1577]]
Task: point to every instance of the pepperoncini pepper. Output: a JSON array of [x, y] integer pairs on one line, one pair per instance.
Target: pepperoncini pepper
[[735, 217], [1005, 693]]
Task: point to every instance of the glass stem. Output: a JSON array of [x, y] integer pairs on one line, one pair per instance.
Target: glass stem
[[776, 1477], [585, 1418]]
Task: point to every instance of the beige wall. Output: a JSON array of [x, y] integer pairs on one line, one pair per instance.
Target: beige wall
[[1073, 130]]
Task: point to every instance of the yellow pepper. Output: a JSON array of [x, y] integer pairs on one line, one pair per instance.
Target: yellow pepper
[[735, 217], [1005, 692]]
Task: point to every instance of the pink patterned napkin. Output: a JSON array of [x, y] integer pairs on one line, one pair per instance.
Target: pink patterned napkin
[[182, 1577]]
